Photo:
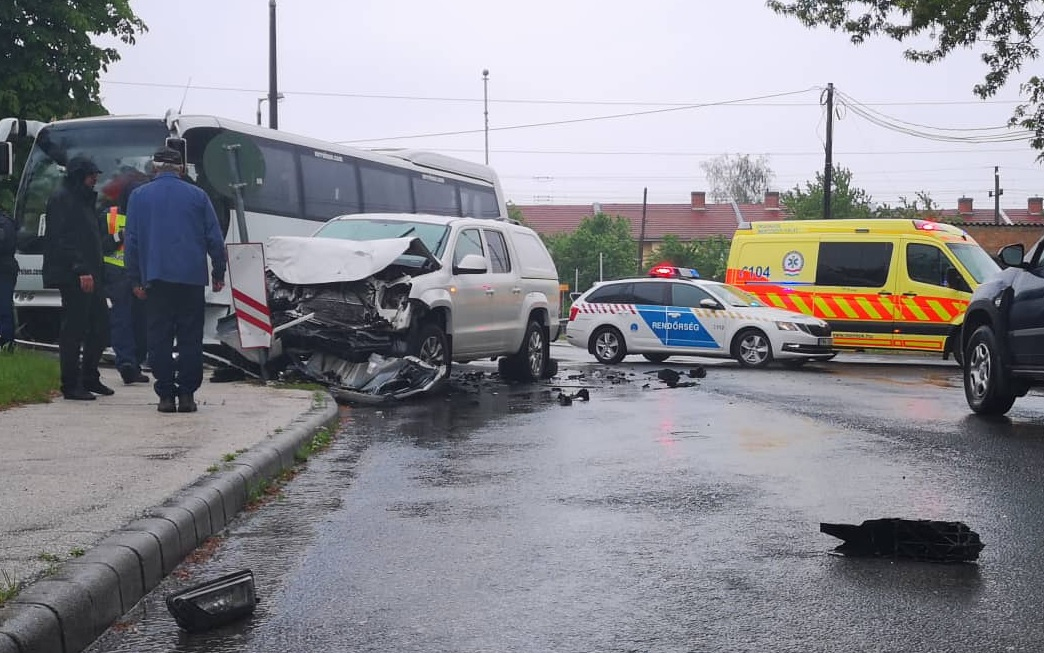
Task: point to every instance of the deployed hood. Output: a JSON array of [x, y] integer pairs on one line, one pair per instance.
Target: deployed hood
[[308, 260]]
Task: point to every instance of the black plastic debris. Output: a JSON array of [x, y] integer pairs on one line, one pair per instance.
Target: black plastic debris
[[670, 377], [567, 400], [698, 372], [214, 603], [916, 539]]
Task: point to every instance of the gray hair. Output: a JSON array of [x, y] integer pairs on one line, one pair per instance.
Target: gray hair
[[166, 167]]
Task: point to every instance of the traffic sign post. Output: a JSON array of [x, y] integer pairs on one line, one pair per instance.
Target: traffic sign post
[[246, 270]]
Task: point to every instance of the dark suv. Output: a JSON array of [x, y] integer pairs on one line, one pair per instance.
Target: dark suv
[[1003, 333]]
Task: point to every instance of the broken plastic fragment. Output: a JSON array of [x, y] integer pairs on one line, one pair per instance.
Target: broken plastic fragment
[[920, 539]]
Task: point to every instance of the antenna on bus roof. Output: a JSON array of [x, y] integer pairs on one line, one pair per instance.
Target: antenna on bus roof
[[184, 95]]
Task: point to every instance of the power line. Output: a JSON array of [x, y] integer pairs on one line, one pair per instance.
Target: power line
[[571, 121], [634, 103]]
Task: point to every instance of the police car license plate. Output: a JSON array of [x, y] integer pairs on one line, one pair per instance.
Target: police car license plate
[[826, 342]]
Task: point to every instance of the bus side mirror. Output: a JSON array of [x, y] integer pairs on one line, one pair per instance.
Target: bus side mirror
[[6, 159]]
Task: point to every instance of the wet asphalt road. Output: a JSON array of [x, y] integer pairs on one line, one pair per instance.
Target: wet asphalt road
[[649, 519]]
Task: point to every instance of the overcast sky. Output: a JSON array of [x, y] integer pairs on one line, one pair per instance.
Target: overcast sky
[[561, 60]]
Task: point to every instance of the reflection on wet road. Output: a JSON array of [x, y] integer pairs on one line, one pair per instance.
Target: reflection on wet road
[[648, 519]]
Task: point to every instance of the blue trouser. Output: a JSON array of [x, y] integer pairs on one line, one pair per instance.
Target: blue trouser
[[175, 312], [126, 319], [7, 321]]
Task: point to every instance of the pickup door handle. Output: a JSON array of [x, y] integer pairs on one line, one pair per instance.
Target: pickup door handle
[[669, 314], [516, 291], [490, 291]]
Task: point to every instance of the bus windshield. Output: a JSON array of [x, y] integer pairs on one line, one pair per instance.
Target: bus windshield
[[118, 147], [432, 235]]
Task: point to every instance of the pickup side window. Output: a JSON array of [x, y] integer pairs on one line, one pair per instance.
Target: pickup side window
[[499, 258], [468, 242], [863, 265]]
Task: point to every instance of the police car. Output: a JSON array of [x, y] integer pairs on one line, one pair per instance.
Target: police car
[[673, 312]]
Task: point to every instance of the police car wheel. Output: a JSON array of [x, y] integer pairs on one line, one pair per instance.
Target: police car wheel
[[752, 348], [607, 345], [984, 386], [656, 358]]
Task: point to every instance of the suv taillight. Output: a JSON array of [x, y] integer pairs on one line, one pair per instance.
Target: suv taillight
[[573, 310]]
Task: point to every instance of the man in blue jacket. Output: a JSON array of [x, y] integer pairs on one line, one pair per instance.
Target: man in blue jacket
[[171, 229]]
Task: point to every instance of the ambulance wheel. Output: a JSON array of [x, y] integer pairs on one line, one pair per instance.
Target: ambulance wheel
[[752, 348], [656, 358], [607, 345], [984, 385]]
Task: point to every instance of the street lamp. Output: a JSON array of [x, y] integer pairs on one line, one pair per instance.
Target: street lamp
[[264, 99], [485, 107]]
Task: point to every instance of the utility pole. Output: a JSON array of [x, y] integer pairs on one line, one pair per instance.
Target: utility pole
[[828, 170], [641, 232], [485, 107], [273, 88], [996, 195]]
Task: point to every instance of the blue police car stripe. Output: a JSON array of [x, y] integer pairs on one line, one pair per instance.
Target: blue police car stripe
[[683, 330]]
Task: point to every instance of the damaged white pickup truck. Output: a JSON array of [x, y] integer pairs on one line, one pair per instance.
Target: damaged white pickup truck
[[377, 306]]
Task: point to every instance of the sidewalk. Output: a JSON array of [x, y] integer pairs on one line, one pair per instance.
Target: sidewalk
[[99, 500]]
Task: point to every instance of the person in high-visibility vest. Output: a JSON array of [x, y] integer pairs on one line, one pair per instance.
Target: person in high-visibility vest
[[127, 323]]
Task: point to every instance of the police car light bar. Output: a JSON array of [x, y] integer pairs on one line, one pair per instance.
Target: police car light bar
[[672, 272]]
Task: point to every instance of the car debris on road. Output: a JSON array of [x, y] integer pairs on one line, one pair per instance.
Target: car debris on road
[[917, 539]]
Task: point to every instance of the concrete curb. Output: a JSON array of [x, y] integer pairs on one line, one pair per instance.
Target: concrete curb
[[67, 611]]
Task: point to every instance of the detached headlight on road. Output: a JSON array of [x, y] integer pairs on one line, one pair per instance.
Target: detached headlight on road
[[787, 326], [215, 603]]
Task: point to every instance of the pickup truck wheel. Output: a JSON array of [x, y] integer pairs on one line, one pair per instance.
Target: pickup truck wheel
[[984, 386], [431, 345], [529, 363], [608, 345]]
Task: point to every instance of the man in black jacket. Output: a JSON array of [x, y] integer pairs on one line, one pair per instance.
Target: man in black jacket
[[74, 246], [8, 275]]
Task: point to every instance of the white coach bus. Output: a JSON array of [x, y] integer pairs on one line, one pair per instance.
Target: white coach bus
[[306, 182]]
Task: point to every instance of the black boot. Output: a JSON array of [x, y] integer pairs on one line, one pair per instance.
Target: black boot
[[186, 404], [98, 388], [78, 394]]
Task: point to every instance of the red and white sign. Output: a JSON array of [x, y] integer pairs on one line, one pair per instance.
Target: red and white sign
[[246, 271]]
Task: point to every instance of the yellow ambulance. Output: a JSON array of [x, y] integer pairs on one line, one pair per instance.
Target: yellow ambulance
[[881, 284]]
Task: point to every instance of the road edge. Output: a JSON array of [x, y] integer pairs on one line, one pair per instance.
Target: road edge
[[68, 610]]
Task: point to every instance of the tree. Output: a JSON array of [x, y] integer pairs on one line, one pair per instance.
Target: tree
[[600, 234], [515, 213], [742, 178], [922, 206], [51, 67], [708, 256], [846, 201], [1006, 28]]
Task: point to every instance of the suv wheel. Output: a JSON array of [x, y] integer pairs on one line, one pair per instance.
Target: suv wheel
[[984, 384], [530, 363], [608, 346], [752, 348], [431, 345]]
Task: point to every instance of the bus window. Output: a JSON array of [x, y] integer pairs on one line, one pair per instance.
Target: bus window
[[279, 193], [479, 202], [435, 195], [386, 191], [331, 187]]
